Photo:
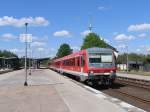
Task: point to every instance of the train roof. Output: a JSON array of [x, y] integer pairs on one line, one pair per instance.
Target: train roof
[[72, 55], [97, 49], [89, 50]]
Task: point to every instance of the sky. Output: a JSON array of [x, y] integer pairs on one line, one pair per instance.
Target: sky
[[124, 24]]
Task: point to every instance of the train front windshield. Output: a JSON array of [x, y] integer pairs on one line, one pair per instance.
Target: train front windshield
[[101, 60]]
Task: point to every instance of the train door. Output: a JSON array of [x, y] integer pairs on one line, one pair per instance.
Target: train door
[[82, 63], [82, 68]]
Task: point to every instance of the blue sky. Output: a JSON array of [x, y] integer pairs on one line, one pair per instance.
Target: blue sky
[[121, 23]]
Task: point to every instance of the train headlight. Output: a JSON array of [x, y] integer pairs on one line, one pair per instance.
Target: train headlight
[[91, 72], [111, 71]]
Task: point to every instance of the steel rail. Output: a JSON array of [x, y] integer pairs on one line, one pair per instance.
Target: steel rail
[[132, 96], [133, 83]]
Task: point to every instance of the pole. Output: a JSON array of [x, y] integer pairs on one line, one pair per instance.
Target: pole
[[25, 83], [4, 63], [29, 60], [127, 60], [32, 60], [90, 23]]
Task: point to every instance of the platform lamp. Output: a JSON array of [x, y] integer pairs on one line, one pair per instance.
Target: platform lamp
[[25, 83], [127, 59], [29, 59]]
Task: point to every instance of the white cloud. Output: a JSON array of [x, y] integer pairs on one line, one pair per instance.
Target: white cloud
[[62, 33], [38, 44], [11, 21], [142, 35], [75, 48], [145, 48], [14, 50], [85, 33], [139, 27], [138, 50], [52, 49], [122, 46], [102, 8], [41, 49], [35, 38], [106, 40], [8, 37], [148, 49], [19, 52], [123, 37]]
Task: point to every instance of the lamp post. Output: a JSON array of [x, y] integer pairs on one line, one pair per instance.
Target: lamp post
[[127, 60], [25, 83], [29, 59]]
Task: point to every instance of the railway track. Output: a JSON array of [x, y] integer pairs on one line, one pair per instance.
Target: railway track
[[124, 93], [136, 91]]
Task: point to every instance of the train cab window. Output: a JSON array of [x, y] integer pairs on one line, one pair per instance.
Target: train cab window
[[100, 58]]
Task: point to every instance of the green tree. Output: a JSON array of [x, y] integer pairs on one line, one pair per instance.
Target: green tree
[[63, 50], [122, 59], [147, 60], [7, 54], [136, 57], [93, 40]]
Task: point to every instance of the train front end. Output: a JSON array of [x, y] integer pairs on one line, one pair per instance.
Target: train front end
[[101, 66]]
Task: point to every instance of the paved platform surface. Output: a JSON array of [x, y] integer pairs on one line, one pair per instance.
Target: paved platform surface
[[50, 92], [134, 76]]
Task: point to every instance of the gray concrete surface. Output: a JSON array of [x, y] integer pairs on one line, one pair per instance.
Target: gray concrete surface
[[134, 76], [39, 96], [49, 92]]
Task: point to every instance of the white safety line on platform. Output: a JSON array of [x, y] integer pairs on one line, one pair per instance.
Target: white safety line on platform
[[93, 90], [101, 96]]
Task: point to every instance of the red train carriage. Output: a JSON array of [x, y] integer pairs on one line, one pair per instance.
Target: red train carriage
[[96, 65]]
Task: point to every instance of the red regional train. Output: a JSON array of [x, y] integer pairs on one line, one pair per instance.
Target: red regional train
[[94, 65]]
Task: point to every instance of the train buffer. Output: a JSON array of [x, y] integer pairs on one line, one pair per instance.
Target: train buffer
[[48, 91]]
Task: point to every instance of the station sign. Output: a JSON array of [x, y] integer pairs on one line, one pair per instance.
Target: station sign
[[26, 38], [94, 56]]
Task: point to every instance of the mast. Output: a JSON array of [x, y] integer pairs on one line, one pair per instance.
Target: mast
[[90, 27]]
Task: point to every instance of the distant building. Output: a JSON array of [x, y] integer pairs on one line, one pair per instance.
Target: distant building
[[132, 65]]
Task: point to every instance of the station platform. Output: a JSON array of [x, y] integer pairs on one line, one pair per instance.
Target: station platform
[[48, 91], [134, 76]]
